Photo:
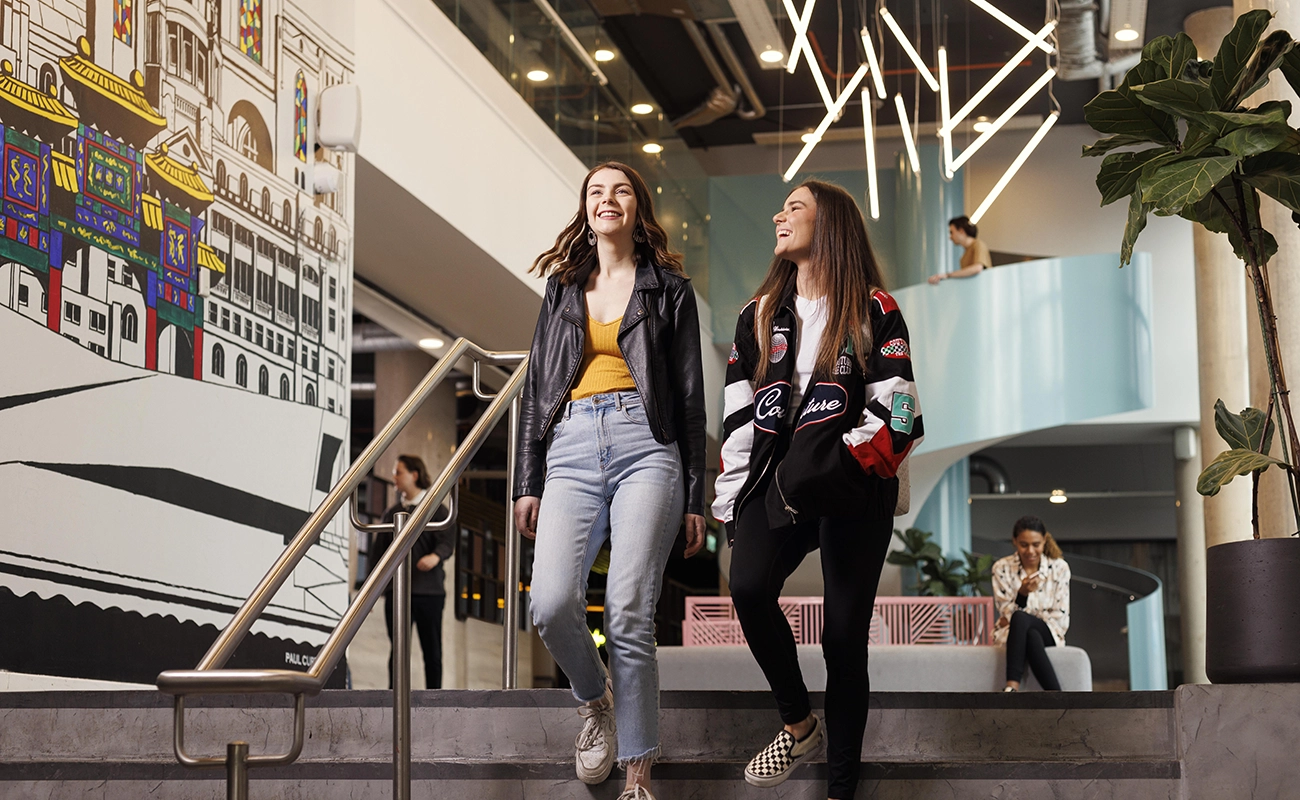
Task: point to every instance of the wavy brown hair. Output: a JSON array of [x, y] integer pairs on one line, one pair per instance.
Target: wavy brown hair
[[846, 270], [572, 258]]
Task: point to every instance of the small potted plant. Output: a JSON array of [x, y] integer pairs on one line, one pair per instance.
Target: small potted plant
[[1206, 157]]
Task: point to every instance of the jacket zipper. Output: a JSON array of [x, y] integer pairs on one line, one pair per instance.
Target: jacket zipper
[[550, 418], [776, 477]]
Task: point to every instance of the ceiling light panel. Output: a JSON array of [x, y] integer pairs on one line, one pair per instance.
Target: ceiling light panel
[[760, 30]]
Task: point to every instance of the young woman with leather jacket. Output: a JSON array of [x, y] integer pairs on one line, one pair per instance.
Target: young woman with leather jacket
[[821, 410], [611, 446]]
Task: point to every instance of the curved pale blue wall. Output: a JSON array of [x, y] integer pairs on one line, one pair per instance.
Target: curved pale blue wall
[[925, 203], [946, 513], [1147, 668], [1029, 346]]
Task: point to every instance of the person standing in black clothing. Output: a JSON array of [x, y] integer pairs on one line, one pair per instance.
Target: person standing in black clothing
[[428, 585], [821, 410]]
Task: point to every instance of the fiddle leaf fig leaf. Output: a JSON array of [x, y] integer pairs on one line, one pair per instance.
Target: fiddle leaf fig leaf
[[1276, 175], [1119, 172], [1103, 146], [1170, 187], [1137, 220], [1291, 68], [1170, 54], [1191, 101], [1235, 52], [1253, 140], [1118, 111], [1228, 465], [1268, 57], [1216, 211]]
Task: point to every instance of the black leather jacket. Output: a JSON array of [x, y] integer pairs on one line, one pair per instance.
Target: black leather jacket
[[660, 340]]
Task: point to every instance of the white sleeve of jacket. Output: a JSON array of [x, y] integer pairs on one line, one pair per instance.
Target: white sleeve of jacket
[[891, 424], [738, 419]]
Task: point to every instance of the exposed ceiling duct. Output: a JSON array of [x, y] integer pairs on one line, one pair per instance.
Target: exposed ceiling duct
[[723, 99]]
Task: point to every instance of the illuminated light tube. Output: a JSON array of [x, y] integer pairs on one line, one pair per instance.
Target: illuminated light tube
[[831, 114], [912, 157], [1011, 23], [876, 76], [907, 48], [1002, 120], [1011, 171], [802, 45], [945, 128], [869, 134], [1000, 76]]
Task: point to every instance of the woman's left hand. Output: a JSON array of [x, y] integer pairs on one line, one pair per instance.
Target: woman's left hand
[[694, 534]]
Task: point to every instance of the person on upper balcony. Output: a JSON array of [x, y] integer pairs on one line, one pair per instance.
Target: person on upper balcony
[[611, 446], [1031, 592], [974, 259], [821, 409]]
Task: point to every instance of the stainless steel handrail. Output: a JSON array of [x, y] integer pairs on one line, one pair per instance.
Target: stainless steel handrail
[[209, 677]]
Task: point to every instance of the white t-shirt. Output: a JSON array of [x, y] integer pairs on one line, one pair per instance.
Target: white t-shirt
[[812, 322]]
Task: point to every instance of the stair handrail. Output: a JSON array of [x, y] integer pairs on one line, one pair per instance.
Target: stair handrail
[[210, 677]]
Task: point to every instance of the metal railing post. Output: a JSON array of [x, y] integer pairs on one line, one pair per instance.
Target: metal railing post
[[510, 636], [237, 771], [401, 677]]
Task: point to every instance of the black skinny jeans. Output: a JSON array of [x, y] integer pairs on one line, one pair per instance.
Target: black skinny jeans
[[853, 552], [1028, 640], [426, 616]]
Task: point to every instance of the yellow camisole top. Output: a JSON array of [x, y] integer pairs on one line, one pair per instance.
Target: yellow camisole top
[[603, 368]]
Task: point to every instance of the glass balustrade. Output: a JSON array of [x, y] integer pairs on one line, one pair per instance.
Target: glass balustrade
[[597, 122]]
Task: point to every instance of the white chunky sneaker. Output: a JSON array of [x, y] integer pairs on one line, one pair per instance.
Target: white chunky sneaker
[[772, 766], [596, 744], [636, 793]]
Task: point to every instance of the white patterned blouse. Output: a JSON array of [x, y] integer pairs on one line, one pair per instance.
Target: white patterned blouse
[[1050, 602]]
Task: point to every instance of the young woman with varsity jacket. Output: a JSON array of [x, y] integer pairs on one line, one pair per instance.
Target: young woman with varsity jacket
[[821, 410]]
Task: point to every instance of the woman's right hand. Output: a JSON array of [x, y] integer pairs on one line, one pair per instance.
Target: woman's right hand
[[1029, 586], [526, 509]]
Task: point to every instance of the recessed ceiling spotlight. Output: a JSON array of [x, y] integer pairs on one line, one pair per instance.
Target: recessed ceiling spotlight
[[810, 136], [1126, 34], [432, 343], [982, 124], [771, 56], [652, 148], [642, 108], [538, 75], [1058, 497], [604, 55]]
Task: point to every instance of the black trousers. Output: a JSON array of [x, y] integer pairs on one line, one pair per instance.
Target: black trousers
[[853, 552], [426, 614], [1028, 640]]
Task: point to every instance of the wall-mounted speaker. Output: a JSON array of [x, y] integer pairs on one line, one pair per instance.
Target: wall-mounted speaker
[[338, 112]]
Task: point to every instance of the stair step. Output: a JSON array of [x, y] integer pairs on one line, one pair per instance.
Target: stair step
[[540, 725], [1121, 780]]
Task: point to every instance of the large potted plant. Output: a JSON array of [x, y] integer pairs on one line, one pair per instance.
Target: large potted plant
[[1212, 156]]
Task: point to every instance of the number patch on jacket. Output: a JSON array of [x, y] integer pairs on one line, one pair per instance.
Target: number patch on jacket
[[903, 413]]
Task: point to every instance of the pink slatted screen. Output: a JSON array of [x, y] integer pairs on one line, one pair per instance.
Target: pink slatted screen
[[895, 620]]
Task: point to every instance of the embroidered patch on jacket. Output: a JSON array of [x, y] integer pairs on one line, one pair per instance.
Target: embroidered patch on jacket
[[843, 366], [770, 404], [779, 346], [734, 357], [903, 413], [896, 348], [825, 402]]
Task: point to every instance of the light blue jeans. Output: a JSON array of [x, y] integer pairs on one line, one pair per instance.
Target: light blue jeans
[[607, 478]]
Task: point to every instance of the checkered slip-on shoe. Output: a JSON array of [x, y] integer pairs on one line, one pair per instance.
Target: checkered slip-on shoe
[[772, 766]]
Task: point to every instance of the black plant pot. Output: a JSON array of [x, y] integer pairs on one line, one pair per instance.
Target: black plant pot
[[1252, 631]]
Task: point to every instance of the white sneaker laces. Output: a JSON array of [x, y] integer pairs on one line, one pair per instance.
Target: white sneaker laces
[[636, 793], [597, 720]]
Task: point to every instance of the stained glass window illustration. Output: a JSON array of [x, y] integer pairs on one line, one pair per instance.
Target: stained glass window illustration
[[250, 29], [300, 117], [122, 20]]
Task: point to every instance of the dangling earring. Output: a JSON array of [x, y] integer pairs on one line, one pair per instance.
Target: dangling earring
[[591, 237], [638, 235]]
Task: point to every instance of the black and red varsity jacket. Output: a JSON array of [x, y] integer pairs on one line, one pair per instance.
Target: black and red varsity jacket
[[849, 431]]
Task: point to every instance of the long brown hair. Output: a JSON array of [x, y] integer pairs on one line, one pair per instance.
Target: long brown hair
[[847, 272], [572, 258]]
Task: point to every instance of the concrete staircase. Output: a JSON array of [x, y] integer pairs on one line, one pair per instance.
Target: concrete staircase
[[489, 745]]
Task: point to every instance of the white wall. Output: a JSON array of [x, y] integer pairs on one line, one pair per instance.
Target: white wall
[[1052, 208]]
